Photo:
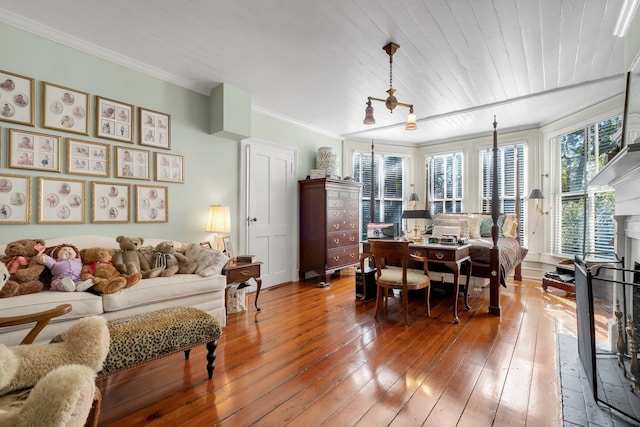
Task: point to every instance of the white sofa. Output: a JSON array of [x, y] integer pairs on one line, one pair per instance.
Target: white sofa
[[205, 293]]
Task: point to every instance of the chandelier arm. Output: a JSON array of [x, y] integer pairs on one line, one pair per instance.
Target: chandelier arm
[[402, 104]]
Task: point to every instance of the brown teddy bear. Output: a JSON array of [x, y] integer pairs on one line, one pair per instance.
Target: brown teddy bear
[[24, 268], [129, 259], [166, 256], [106, 278]]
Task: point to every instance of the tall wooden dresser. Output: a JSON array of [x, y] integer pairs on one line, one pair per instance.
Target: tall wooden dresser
[[329, 223]]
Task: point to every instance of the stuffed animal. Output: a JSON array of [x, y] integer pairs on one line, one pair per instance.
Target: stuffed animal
[[66, 266], [167, 257], [61, 377], [4, 275], [24, 268], [129, 259], [106, 278]]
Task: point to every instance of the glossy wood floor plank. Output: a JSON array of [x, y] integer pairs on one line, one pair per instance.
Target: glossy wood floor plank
[[315, 356]]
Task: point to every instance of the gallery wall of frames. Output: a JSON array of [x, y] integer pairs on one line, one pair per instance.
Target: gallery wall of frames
[[109, 153]]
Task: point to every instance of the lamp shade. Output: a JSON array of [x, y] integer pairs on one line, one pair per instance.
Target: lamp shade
[[368, 115], [416, 214], [536, 194], [411, 121], [219, 219]]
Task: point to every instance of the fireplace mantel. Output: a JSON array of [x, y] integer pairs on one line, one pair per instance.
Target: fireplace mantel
[[624, 164]]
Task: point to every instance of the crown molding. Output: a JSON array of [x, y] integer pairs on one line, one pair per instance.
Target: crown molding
[[28, 25]]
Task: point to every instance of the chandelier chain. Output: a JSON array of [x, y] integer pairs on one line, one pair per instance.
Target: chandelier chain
[[390, 74]]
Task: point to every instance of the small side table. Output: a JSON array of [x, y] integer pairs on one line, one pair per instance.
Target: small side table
[[241, 272]]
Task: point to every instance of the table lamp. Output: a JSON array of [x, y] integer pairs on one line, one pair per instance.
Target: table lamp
[[219, 222]]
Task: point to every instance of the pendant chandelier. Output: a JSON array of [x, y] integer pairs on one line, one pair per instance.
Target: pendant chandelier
[[391, 102]]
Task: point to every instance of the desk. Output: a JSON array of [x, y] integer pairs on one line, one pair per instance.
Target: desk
[[238, 272], [452, 257]]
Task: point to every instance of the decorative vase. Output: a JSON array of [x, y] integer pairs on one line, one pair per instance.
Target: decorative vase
[[327, 160]]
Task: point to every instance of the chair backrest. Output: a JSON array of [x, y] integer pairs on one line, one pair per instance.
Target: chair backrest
[[383, 250]]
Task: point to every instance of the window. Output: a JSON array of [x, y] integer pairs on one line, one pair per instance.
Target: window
[[583, 222], [445, 182], [507, 156], [388, 183]]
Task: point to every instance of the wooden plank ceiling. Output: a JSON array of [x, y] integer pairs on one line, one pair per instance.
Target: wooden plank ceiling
[[315, 62]]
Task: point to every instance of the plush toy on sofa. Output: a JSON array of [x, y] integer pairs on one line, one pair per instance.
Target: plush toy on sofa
[[166, 256], [4, 275], [106, 278], [129, 259], [66, 266], [24, 268], [63, 375]]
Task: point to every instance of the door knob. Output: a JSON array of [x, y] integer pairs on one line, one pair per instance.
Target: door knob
[[254, 219]]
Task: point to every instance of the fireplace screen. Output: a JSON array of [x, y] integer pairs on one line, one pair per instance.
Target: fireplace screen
[[608, 316]]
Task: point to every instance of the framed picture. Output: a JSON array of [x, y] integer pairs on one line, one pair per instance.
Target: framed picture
[[132, 163], [15, 199], [61, 201], [155, 129], [169, 167], [87, 158], [206, 244], [30, 150], [114, 119], [111, 202], [228, 246], [65, 109], [16, 98], [152, 203]]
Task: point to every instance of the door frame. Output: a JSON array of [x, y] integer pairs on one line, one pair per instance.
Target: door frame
[[243, 227]]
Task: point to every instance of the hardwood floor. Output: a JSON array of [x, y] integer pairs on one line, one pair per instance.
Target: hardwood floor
[[315, 356]]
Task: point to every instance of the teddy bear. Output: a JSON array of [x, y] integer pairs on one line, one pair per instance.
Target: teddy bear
[[24, 268], [61, 376], [166, 256], [129, 259], [4, 275], [66, 266], [105, 276]]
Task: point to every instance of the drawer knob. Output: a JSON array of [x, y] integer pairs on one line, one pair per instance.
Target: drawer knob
[[336, 258], [244, 272], [336, 241], [351, 239], [336, 226], [439, 255]]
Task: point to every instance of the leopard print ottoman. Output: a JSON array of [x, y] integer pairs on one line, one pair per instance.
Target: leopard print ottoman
[[144, 337]]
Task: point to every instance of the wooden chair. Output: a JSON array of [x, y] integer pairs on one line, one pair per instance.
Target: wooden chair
[[41, 320], [403, 278]]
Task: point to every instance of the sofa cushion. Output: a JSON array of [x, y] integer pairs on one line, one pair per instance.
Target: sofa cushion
[[209, 261], [150, 291], [84, 304]]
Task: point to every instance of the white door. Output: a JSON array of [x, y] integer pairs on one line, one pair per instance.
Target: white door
[[270, 227]]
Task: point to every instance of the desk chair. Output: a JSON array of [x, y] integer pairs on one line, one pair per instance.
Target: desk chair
[[402, 278]]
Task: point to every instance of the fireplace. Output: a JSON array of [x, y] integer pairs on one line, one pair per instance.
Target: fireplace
[[608, 316]]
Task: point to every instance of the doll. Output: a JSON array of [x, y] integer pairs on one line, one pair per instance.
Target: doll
[[65, 265]]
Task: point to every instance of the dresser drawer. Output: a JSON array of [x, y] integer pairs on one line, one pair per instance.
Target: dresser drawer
[[446, 254], [336, 240], [340, 224], [342, 256]]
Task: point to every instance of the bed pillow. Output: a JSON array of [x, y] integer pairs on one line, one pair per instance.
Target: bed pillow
[[463, 224], [510, 226], [474, 226], [486, 223], [209, 261]]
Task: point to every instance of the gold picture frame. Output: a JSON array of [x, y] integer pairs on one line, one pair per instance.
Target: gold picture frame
[[17, 95], [32, 150], [133, 163], [65, 109], [111, 202], [155, 128], [114, 119], [15, 199], [152, 203], [169, 168], [88, 158], [61, 201]]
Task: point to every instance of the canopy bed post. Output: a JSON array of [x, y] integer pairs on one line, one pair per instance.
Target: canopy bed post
[[494, 252], [517, 274]]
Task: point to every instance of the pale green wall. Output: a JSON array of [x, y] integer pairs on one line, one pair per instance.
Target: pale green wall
[[211, 163]]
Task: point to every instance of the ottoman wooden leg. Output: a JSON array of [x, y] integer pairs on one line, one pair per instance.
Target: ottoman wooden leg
[[211, 357]]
